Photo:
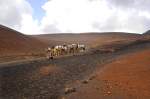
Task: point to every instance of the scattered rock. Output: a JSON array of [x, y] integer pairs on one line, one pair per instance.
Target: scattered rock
[[97, 88], [92, 77], [108, 93], [69, 90], [63, 98], [24, 97], [116, 84], [85, 81]]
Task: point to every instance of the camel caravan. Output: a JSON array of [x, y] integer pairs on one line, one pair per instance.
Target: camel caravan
[[60, 50]]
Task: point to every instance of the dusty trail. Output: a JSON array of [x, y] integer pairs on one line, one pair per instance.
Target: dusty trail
[[44, 79]]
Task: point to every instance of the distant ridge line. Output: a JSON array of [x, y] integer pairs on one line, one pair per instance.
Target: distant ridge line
[[9, 29]]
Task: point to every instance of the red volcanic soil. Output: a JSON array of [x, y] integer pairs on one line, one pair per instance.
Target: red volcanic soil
[[125, 78], [131, 72], [15, 43]]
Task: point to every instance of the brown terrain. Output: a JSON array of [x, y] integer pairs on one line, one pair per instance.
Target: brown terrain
[[116, 66], [125, 78], [90, 39], [16, 45], [12, 41]]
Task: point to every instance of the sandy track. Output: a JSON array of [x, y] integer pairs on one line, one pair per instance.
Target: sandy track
[[46, 79]]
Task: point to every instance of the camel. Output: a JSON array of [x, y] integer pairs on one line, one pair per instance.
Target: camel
[[64, 50]]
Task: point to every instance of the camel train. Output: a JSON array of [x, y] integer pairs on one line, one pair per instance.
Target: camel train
[[60, 50]]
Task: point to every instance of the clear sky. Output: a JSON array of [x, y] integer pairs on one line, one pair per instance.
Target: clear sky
[[38, 12], [76, 16]]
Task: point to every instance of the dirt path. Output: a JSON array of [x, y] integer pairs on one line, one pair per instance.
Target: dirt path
[[44, 79]]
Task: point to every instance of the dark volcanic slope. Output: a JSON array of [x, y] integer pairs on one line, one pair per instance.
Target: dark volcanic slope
[[147, 32], [12, 42], [46, 79]]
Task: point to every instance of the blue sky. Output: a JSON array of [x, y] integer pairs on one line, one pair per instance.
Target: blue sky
[[37, 8]]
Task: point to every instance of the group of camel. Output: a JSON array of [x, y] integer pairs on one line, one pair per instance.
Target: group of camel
[[59, 50]]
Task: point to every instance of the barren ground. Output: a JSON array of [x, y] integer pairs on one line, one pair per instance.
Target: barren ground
[[115, 67], [43, 79], [127, 77]]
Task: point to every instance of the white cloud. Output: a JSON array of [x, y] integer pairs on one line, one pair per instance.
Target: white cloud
[[12, 10], [126, 21], [74, 15], [78, 16], [97, 15], [29, 25], [131, 4], [17, 14]]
